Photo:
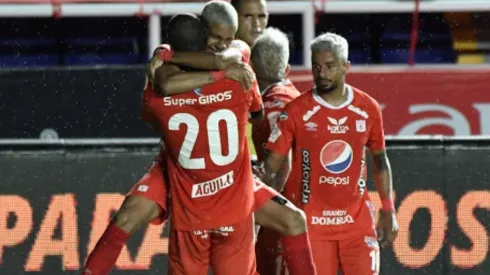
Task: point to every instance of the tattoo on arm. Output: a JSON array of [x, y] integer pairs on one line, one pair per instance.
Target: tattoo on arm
[[270, 175]]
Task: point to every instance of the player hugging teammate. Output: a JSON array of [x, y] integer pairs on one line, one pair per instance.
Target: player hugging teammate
[[147, 201], [205, 165]]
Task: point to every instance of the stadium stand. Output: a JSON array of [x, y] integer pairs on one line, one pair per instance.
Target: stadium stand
[[434, 45], [471, 37]]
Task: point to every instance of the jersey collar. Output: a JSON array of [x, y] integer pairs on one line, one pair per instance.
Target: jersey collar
[[284, 82], [321, 101]]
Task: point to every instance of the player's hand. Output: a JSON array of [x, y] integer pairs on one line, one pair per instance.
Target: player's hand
[[226, 59], [387, 227], [242, 73], [152, 66]]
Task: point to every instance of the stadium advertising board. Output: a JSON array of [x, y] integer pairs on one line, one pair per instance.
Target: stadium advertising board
[[55, 205], [104, 102], [430, 101]]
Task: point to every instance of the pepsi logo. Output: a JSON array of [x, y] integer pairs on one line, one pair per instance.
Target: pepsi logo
[[336, 156]]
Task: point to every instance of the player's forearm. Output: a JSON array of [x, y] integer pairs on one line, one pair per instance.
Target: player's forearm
[[382, 176], [282, 174], [255, 118], [204, 60], [272, 166], [183, 82]]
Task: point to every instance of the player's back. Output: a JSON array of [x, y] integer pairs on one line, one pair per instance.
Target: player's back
[[209, 163], [275, 98]]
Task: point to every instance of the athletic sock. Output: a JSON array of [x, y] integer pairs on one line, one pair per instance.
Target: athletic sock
[[297, 255], [102, 259]]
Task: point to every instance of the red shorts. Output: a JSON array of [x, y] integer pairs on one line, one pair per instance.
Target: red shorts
[[262, 193], [354, 256], [153, 186], [227, 250]]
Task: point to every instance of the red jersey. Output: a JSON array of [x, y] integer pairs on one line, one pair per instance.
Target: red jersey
[[210, 176], [146, 114], [328, 144], [243, 48], [275, 98]]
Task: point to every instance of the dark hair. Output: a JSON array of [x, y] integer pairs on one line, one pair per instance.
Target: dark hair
[[236, 4], [185, 32]]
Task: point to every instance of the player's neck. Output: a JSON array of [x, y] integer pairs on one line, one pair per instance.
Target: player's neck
[[266, 84], [336, 97]]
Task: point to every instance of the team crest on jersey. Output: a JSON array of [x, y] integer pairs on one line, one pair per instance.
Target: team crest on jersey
[[337, 126], [361, 126]]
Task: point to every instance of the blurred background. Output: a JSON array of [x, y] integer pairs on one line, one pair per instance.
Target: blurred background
[[72, 142]]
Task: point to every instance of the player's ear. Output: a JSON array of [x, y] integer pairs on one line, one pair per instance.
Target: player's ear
[[347, 66], [287, 70]]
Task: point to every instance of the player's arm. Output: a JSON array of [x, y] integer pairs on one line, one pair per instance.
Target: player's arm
[[207, 60], [199, 60], [256, 117], [256, 110], [382, 176], [146, 114], [272, 114], [382, 170], [278, 146], [171, 80]]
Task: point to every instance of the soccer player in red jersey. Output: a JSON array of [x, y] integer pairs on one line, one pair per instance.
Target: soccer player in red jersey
[[209, 169], [272, 211], [270, 56], [147, 200], [327, 129]]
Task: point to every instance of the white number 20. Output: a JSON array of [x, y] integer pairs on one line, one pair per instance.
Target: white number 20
[[214, 138]]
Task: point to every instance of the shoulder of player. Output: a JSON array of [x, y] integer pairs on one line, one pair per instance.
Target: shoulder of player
[[239, 44], [222, 86], [284, 92], [299, 103], [244, 49], [363, 98]]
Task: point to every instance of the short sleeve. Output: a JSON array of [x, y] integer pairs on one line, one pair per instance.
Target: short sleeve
[[376, 140], [243, 48], [273, 105], [255, 98], [282, 135]]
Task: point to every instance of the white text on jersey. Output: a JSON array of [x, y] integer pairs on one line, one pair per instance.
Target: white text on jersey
[[358, 111], [211, 187], [202, 100], [332, 217], [311, 112]]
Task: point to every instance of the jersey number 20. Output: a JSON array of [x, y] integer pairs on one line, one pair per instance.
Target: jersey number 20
[[214, 138]]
